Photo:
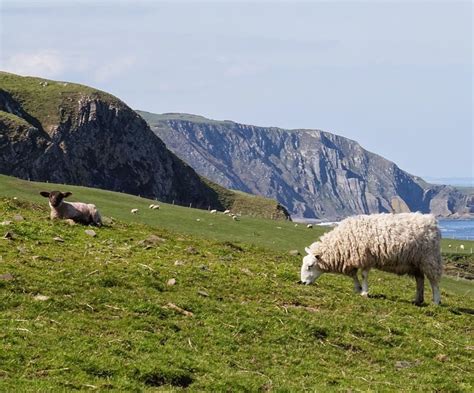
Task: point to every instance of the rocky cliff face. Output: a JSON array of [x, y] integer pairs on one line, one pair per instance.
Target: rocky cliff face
[[67, 133], [313, 173]]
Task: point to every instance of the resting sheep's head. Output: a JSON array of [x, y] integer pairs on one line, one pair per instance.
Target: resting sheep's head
[[55, 197], [310, 270]]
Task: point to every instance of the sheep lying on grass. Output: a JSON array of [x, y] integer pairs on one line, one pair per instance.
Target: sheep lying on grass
[[407, 243], [84, 213]]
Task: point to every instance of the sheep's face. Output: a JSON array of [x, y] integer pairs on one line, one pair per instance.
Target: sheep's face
[[55, 197], [309, 269]]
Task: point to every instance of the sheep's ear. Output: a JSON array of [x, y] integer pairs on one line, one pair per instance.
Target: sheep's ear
[[66, 194], [45, 194], [308, 251]]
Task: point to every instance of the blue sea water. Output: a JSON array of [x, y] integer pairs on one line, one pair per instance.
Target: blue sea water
[[457, 229]]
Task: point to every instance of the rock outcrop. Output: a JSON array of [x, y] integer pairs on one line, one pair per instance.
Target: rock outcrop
[[314, 174], [68, 133]]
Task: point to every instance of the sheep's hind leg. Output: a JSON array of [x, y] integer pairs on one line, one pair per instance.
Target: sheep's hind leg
[[420, 287], [357, 286], [365, 283]]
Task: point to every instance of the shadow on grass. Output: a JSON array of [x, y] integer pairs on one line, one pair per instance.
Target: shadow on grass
[[462, 310]]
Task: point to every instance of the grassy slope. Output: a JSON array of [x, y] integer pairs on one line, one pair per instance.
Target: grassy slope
[[43, 98], [106, 325]]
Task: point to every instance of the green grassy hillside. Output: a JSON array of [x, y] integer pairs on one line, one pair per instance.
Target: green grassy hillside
[[97, 313], [44, 99]]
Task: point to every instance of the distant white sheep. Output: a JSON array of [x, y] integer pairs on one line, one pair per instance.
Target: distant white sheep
[[461, 246], [154, 206], [213, 211], [226, 211], [309, 226], [407, 243], [84, 213], [235, 218], [134, 211]]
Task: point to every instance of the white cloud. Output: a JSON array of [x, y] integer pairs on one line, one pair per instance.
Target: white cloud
[[47, 64], [112, 70]]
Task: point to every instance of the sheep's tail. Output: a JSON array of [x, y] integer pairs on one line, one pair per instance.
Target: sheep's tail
[[95, 215]]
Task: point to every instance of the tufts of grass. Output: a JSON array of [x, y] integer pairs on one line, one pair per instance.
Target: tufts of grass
[[100, 313]]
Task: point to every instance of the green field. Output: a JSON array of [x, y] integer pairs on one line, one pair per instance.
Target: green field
[[98, 313]]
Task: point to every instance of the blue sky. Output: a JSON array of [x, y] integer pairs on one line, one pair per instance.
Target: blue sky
[[395, 76]]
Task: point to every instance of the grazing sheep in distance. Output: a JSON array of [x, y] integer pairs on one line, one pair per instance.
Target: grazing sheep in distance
[[309, 226], [407, 243], [84, 213], [226, 211], [213, 211], [461, 246], [134, 211], [154, 206]]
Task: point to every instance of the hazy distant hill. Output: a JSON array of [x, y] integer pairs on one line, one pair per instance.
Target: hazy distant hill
[[68, 133], [313, 173]]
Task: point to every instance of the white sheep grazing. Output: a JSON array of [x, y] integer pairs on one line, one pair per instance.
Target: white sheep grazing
[[134, 211], [84, 213], [407, 243], [226, 211], [213, 211], [153, 206], [461, 246], [309, 226]]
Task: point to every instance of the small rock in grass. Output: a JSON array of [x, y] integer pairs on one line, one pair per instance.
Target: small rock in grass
[[171, 282], [6, 277], [58, 239], [203, 293], [294, 253], [405, 364], [18, 218], [441, 357], [191, 250], [5, 223], [70, 221], [90, 232], [41, 298], [9, 236], [198, 219], [178, 263], [402, 364], [246, 271], [153, 239]]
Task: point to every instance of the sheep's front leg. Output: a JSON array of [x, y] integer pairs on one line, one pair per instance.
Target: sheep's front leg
[[435, 290], [420, 287], [357, 286], [365, 283]]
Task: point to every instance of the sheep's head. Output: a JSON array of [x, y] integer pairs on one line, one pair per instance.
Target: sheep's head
[[55, 197], [309, 269]]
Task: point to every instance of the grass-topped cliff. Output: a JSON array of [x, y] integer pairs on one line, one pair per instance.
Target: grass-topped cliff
[[69, 133], [46, 102], [96, 313]]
